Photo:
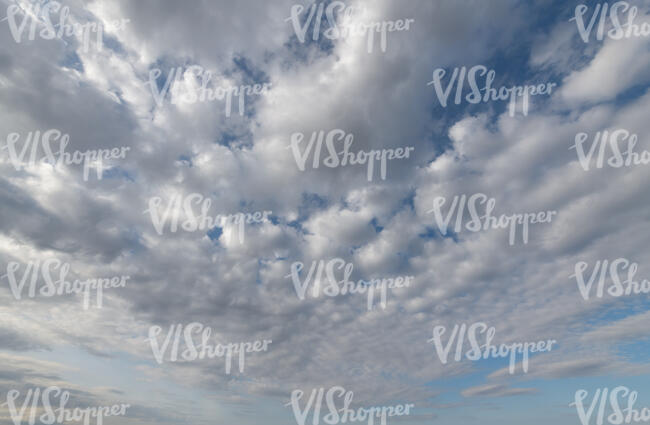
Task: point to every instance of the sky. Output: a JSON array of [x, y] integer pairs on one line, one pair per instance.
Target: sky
[[131, 94]]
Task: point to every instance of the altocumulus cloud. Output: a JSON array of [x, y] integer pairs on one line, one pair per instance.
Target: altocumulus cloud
[[251, 59]]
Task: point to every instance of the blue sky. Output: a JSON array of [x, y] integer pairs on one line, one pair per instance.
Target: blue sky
[[237, 280]]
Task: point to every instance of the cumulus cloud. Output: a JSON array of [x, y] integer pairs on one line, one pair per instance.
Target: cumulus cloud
[[240, 285]]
